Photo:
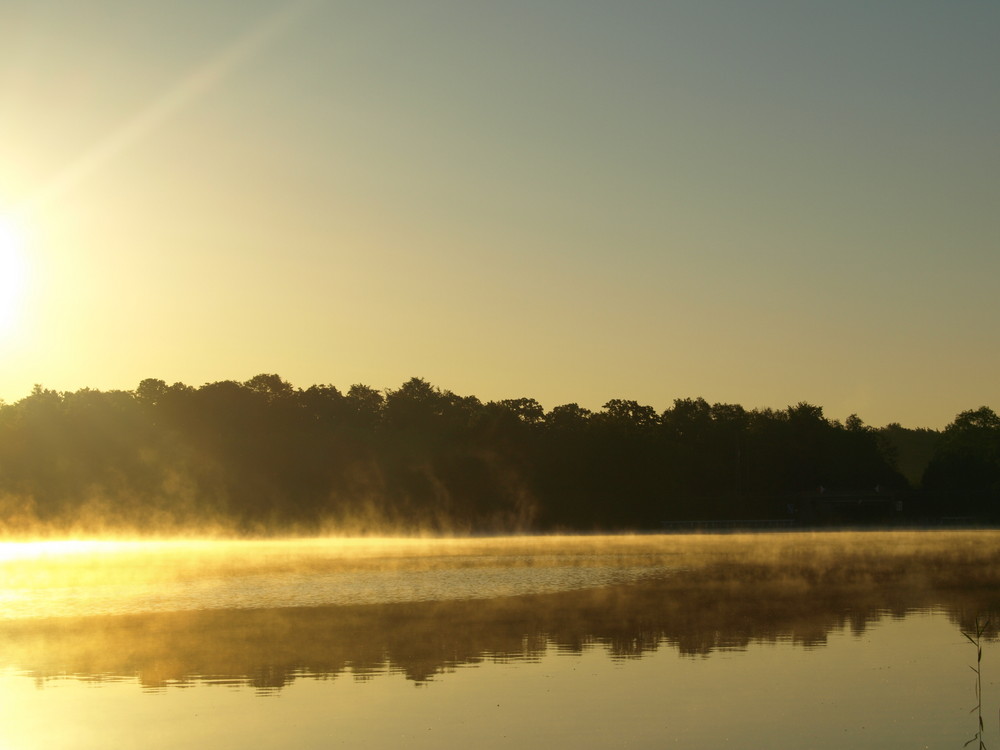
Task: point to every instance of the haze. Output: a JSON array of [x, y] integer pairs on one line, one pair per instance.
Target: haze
[[758, 203]]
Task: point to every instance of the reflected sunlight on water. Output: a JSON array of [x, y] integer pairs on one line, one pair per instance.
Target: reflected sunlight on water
[[85, 577], [650, 640], [903, 683], [92, 577]]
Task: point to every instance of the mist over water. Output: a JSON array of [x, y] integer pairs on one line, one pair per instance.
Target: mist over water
[[787, 577], [59, 579], [274, 617]]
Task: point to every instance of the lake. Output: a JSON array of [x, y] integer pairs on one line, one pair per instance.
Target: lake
[[781, 640]]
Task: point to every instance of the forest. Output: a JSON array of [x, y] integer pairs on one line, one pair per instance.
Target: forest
[[262, 457]]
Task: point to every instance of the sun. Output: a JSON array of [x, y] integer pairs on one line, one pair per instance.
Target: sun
[[13, 274]]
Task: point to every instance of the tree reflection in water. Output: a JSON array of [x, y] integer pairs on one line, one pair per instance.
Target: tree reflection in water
[[733, 592]]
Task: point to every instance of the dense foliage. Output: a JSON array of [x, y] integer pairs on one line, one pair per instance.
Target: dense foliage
[[262, 456]]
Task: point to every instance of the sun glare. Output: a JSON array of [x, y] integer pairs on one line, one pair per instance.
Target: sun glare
[[13, 274], [55, 548]]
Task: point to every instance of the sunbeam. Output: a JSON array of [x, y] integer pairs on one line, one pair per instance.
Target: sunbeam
[[196, 85]]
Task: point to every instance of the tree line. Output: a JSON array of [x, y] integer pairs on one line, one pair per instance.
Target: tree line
[[262, 456]]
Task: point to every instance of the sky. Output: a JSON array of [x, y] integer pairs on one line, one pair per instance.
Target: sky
[[757, 202]]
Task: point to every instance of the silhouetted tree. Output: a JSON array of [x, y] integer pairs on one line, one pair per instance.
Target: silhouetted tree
[[967, 463], [261, 455]]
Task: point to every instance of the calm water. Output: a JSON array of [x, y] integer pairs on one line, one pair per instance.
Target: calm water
[[745, 641]]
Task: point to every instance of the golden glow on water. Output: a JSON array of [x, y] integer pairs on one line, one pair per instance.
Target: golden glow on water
[[49, 549], [904, 684], [181, 557], [45, 578], [528, 641]]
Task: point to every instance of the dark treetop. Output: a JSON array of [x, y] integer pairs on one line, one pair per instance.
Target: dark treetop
[[264, 457]]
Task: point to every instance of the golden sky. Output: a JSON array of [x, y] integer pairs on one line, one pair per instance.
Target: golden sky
[[755, 202]]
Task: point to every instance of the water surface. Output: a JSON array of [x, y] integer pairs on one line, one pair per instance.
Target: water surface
[[772, 640]]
